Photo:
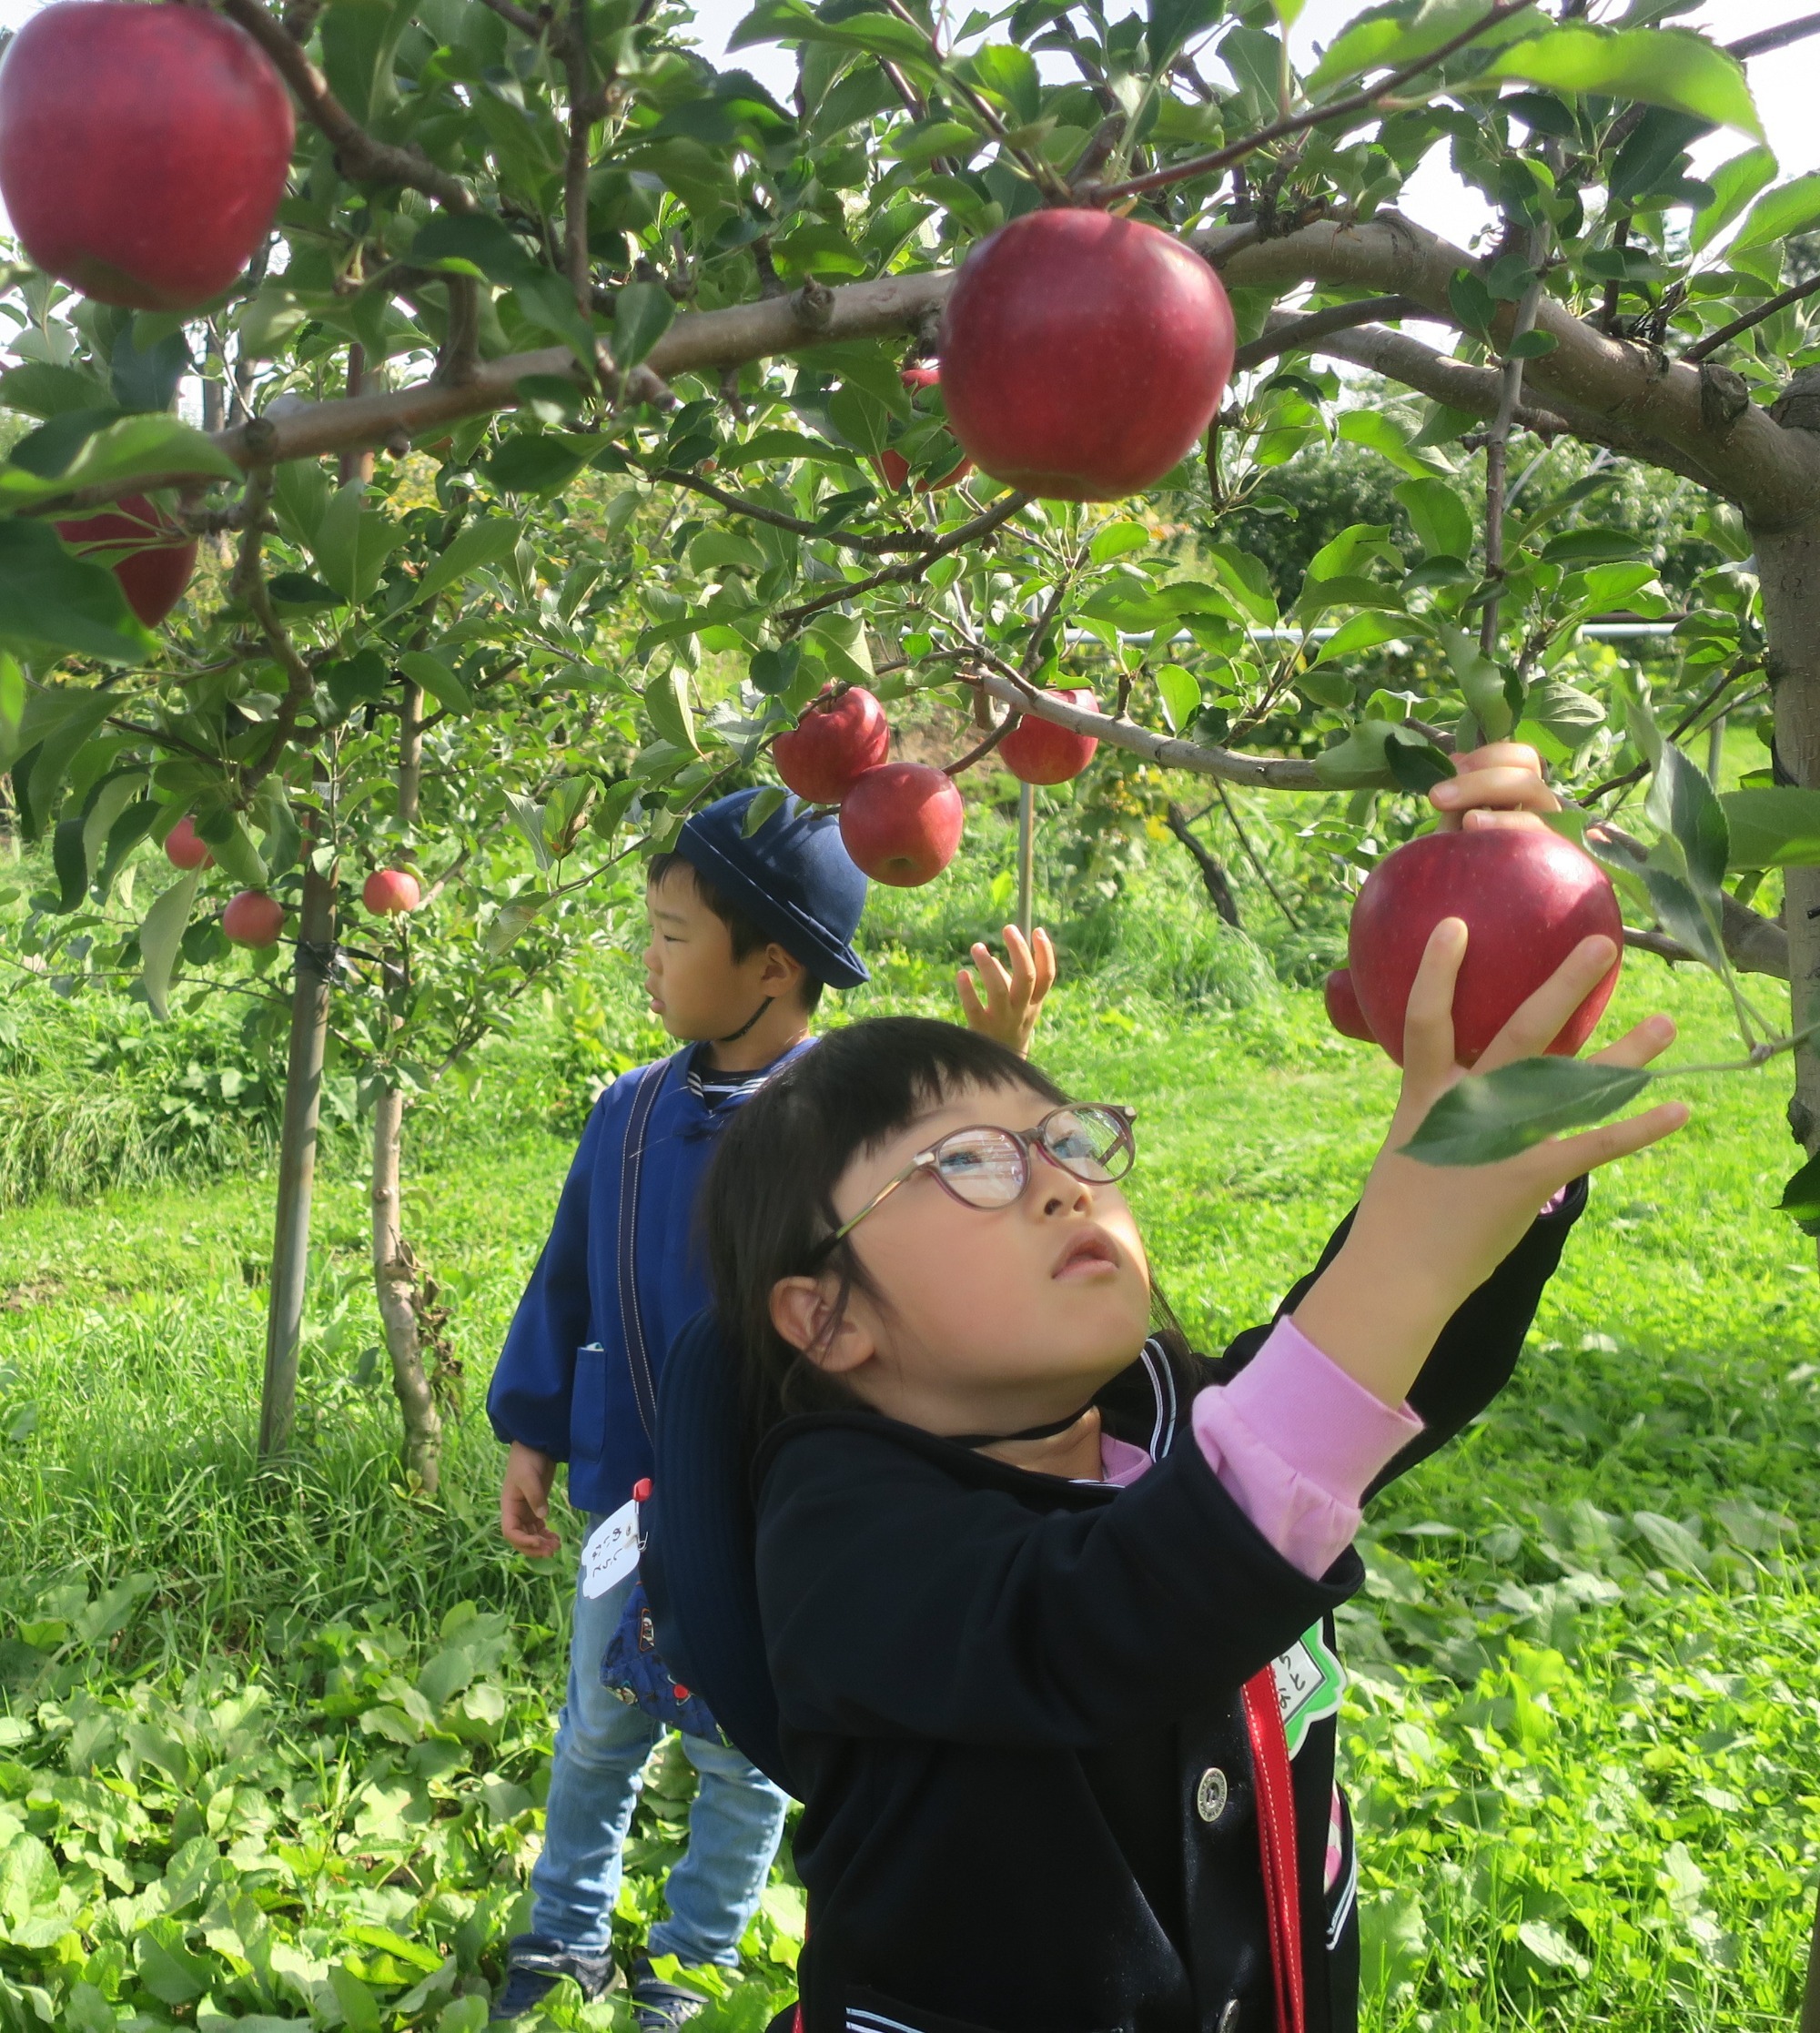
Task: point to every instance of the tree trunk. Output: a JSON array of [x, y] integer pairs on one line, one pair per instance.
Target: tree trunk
[[1788, 569], [395, 1282], [1218, 889], [297, 1156]]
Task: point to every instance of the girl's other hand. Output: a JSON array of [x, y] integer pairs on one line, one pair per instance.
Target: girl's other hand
[[1426, 1235], [1012, 1001], [1500, 785]]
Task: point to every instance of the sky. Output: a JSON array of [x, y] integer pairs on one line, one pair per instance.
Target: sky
[[1785, 82]]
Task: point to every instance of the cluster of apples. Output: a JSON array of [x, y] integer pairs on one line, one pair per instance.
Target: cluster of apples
[[255, 918], [1527, 896], [901, 821]]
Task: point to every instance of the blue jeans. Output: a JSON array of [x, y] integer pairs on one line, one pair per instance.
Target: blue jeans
[[735, 1821]]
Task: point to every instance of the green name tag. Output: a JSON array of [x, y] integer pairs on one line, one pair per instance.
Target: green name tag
[[1309, 1679]]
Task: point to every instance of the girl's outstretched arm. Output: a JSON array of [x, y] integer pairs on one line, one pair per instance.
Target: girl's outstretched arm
[[1425, 1237]]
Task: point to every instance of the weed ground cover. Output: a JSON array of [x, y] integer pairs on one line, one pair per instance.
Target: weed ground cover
[[272, 1745]]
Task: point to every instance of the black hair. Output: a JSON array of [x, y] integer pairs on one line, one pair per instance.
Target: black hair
[[767, 1208], [747, 936]]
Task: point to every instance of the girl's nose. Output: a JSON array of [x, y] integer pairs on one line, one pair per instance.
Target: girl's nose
[[1061, 1191]]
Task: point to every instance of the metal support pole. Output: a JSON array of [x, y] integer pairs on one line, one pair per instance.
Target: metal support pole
[[1027, 858], [1716, 751]]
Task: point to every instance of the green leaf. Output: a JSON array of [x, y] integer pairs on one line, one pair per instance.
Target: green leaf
[[774, 670], [643, 312], [475, 244], [1385, 436], [1179, 691], [160, 933], [1584, 547], [1009, 75], [136, 447], [1409, 33], [12, 708], [1480, 682], [167, 1968], [528, 815], [1487, 1116], [1734, 183], [425, 668], [1773, 828], [1570, 715], [1415, 762], [841, 638], [1245, 577], [360, 2007], [1441, 519], [666, 702], [1685, 805], [1362, 632], [535, 462], [1116, 538], [143, 372], [1659, 66], [1791, 209], [226, 833], [769, 800], [48, 595], [486, 542], [1801, 1197], [40, 389], [353, 542]]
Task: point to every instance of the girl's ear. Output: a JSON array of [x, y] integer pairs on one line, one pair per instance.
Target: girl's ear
[[807, 1313]]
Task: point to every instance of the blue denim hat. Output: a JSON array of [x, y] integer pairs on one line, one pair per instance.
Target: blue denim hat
[[792, 878]]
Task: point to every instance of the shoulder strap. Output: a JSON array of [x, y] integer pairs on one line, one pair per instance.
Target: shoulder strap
[[632, 1173], [1277, 1844]]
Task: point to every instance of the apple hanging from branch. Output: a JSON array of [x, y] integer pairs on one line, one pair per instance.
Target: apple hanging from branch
[[391, 891], [143, 149], [1083, 355], [1038, 752], [253, 919], [186, 848], [840, 736], [902, 823]]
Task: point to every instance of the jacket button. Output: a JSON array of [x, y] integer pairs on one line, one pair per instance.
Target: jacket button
[[1228, 2019], [1210, 1798]]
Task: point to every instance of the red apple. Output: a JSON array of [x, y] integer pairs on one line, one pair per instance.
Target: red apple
[[1083, 355], [389, 890], [902, 823], [143, 149], [149, 552], [1528, 898], [1038, 752], [253, 918], [1342, 1007], [186, 848], [840, 736], [892, 467]]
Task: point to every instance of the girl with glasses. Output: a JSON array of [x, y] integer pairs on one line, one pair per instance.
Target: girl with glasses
[[1047, 1598]]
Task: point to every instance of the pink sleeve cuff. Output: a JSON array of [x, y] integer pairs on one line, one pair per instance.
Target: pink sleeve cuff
[[1294, 1442]]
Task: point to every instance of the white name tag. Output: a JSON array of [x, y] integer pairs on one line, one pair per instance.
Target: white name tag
[[611, 1552]]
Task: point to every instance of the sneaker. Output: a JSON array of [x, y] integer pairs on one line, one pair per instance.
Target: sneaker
[[535, 1965], [658, 2007]]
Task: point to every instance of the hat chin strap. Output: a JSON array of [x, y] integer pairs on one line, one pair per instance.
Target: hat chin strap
[[733, 1037]]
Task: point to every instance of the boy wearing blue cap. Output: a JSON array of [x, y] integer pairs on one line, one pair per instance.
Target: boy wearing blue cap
[[745, 933]]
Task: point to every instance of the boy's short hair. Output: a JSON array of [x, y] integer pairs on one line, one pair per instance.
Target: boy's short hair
[[747, 937]]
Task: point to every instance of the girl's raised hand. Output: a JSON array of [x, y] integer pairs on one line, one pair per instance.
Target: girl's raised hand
[[1012, 1001], [1426, 1237]]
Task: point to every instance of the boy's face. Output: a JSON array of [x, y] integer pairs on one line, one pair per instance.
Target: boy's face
[[697, 989]]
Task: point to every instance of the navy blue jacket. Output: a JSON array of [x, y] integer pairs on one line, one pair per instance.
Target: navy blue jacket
[[564, 1384]]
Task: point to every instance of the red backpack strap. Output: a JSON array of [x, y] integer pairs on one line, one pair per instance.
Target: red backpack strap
[[1276, 1844]]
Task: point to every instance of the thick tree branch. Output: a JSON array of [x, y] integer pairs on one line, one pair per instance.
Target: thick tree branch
[[361, 158], [1263, 773], [1780, 37], [1608, 391]]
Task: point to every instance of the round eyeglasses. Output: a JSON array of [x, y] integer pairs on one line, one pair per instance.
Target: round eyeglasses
[[986, 1167]]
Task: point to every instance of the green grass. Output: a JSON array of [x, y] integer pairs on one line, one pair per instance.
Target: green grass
[[273, 1742]]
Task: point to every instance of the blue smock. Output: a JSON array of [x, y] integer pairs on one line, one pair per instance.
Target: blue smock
[[563, 1384]]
